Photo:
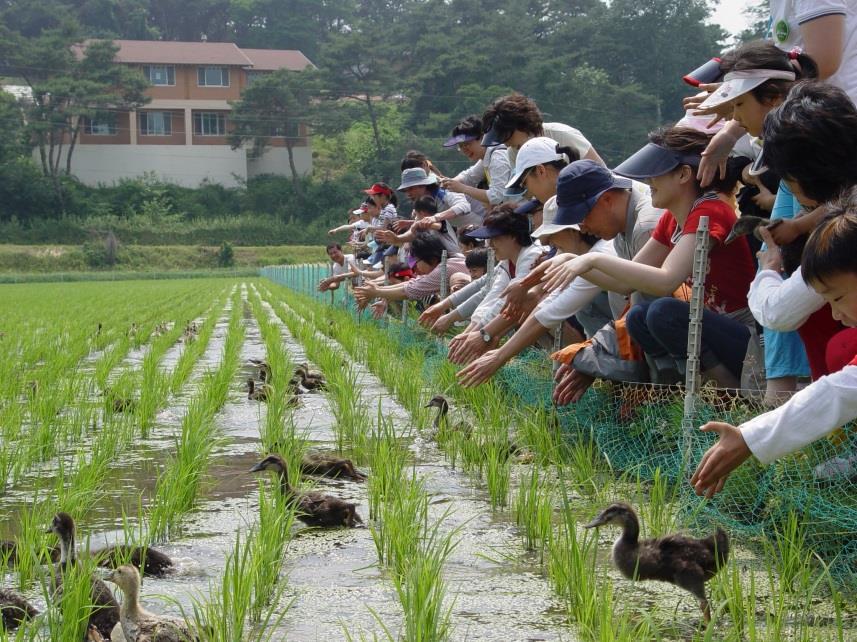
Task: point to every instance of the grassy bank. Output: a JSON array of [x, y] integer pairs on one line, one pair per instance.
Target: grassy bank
[[43, 259]]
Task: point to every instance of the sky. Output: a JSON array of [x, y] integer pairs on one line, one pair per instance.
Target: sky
[[730, 14]]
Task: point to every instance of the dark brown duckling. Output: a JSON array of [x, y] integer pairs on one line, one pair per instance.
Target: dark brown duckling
[[118, 403], [313, 508], [684, 561], [9, 552], [442, 420], [14, 609], [325, 465], [149, 561], [791, 252], [257, 393], [310, 379], [105, 612]]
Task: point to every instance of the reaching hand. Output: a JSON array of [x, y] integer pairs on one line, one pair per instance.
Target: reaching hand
[[431, 314], [714, 157], [784, 232], [480, 370], [386, 236], [693, 102], [443, 323], [379, 308], [560, 276], [770, 258], [471, 346], [720, 460], [571, 385], [452, 185], [402, 226]]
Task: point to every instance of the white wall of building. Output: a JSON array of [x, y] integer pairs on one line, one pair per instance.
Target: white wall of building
[[276, 161], [186, 165]]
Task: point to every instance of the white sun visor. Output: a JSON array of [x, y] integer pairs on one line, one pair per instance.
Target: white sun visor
[[737, 83]]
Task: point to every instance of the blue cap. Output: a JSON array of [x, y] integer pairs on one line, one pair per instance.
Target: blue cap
[[578, 187], [529, 206], [486, 232], [460, 138]]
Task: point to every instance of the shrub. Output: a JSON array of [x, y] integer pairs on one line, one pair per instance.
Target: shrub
[[226, 255]]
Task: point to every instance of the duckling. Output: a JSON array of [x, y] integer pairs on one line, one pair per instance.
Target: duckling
[[14, 609], [791, 252], [138, 624], [132, 331], [313, 508], [310, 379], [9, 553], [684, 561], [105, 612], [257, 393], [325, 465], [149, 561], [117, 403], [441, 419]]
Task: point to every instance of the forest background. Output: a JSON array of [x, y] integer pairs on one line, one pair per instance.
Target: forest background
[[390, 75]]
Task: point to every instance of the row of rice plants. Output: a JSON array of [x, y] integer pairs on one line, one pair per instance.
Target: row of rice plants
[[178, 485]]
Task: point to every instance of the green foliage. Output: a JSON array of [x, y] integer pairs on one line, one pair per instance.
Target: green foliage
[[226, 256]]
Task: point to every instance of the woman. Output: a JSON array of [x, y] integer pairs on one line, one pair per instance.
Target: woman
[[551, 312], [758, 78], [669, 164], [508, 235], [490, 165]]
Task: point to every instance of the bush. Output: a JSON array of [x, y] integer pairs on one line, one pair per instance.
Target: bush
[[226, 256]]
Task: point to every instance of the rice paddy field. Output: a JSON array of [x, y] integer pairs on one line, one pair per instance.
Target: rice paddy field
[[125, 405]]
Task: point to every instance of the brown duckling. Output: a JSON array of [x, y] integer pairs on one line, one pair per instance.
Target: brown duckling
[[257, 393], [14, 609], [310, 379], [324, 465], [149, 561], [313, 508], [791, 252], [105, 612], [138, 624], [684, 561], [118, 403], [442, 420]]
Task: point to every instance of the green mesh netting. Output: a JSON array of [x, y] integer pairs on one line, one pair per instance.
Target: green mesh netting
[[638, 428]]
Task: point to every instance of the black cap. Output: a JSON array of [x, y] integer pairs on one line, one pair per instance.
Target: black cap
[[579, 185]]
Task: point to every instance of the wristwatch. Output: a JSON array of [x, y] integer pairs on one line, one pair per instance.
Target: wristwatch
[[485, 336]]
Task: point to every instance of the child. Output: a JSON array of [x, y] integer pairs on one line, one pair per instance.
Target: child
[[829, 265]]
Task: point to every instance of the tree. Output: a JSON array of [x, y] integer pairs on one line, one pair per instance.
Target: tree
[[274, 106], [70, 83]]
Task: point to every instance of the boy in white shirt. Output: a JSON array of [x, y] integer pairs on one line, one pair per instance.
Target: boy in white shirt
[[829, 266]]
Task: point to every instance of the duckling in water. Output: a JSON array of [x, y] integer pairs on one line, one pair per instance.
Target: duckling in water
[[313, 508], [14, 609], [325, 465], [117, 403], [310, 379], [105, 612], [149, 561], [138, 624], [684, 561], [257, 393]]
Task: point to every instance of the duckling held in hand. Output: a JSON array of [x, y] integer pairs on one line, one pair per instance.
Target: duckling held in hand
[[316, 463], [684, 561], [313, 508], [105, 612], [149, 561], [14, 609], [138, 624]]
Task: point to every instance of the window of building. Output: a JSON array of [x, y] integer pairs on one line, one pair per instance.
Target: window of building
[[291, 129], [160, 74], [101, 125], [212, 76], [253, 76], [209, 123], [156, 123]]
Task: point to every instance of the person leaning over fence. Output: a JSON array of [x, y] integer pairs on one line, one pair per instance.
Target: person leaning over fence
[[613, 208], [463, 300], [424, 207], [552, 312], [427, 250], [514, 119], [341, 268], [452, 208], [490, 165], [829, 265], [811, 141], [660, 327], [508, 235]]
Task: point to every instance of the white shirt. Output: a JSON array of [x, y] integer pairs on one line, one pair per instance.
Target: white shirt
[[782, 304], [787, 16], [561, 304], [812, 413], [493, 303], [345, 267], [494, 167]]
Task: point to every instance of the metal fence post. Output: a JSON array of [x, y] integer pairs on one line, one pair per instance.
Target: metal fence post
[[694, 334], [444, 277]]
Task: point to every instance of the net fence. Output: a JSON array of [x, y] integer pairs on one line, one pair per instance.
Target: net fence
[[639, 430]]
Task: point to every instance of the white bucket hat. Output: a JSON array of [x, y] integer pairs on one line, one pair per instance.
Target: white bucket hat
[[536, 151], [548, 216], [738, 83]]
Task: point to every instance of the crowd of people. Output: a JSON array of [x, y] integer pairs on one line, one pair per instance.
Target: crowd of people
[[538, 241]]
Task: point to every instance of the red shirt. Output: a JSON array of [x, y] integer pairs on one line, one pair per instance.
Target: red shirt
[[730, 267], [815, 333]]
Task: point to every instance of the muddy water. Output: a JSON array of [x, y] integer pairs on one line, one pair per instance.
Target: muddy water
[[490, 600]]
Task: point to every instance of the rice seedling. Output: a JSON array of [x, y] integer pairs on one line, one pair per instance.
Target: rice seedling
[[533, 510], [268, 543]]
